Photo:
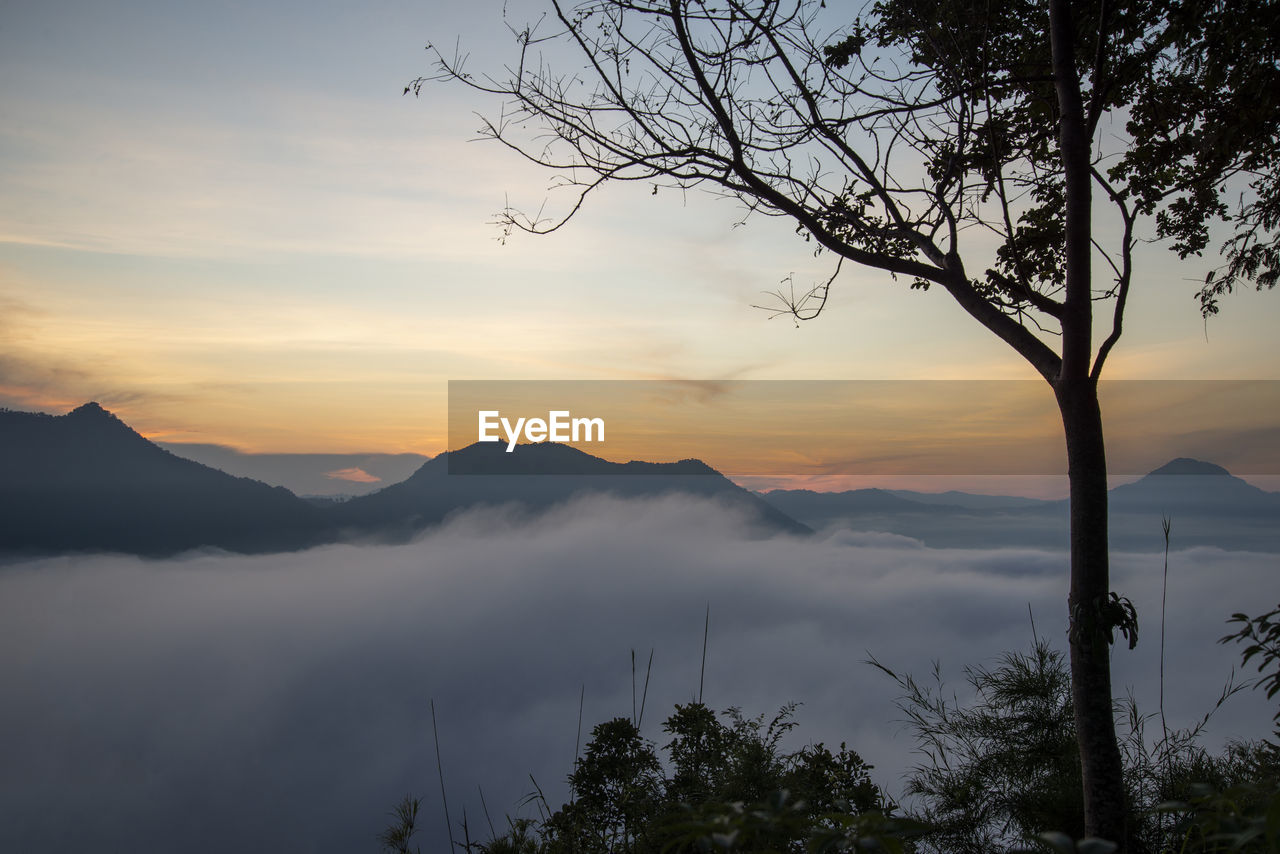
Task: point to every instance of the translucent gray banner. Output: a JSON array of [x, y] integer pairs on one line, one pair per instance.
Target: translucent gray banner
[[811, 428]]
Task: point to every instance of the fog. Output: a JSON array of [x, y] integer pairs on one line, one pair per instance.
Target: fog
[[217, 702]]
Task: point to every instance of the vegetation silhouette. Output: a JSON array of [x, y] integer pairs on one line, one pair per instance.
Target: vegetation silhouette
[[728, 778], [997, 773]]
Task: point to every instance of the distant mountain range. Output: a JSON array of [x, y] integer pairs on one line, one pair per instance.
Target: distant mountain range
[[85, 481], [1206, 504]]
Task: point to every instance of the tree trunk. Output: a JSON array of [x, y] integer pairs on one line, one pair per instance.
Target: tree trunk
[[1102, 773], [1077, 393]]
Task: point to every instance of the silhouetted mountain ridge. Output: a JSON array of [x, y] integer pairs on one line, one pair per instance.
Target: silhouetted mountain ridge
[[970, 500], [87, 481], [539, 476], [803, 503], [1185, 485], [1207, 504], [1188, 466], [550, 458]]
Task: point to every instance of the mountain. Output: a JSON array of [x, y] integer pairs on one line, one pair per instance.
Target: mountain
[[1206, 504], [1186, 485], [536, 477], [940, 520], [85, 481], [806, 504], [973, 501]]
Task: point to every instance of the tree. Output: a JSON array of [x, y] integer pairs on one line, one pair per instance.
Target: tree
[[729, 779], [617, 786], [911, 140], [1207, 112]]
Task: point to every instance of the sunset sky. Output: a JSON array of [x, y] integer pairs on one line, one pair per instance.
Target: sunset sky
[[225, 222]]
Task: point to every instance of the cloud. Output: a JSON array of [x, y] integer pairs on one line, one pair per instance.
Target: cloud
[[58, 376], [28, 382], [355, 475], [284, 701]]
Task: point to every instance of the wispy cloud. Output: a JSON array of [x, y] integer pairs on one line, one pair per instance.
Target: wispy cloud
[[355, 475]]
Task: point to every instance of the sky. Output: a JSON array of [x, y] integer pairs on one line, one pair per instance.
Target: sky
[[283, 702], [226, 222]]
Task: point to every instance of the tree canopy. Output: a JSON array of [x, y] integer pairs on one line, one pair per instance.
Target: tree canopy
[[920, 138]]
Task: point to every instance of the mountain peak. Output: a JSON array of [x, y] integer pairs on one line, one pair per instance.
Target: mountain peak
[[1187, 466], [86, 481], [92, 419], [92, 409]]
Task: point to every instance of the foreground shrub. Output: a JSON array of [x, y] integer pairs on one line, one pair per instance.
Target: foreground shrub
[[725, 784], [1002, 772]]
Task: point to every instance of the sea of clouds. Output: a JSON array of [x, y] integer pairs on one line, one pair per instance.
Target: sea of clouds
[[215, 702]]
